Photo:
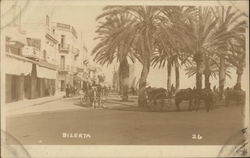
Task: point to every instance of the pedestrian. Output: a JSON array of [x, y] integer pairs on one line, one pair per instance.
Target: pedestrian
[[133, 90], [71, 90], [67, 90], [172, 90]]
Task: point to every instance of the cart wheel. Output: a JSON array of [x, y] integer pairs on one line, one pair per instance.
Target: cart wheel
[[82, 100], [161, 105], [150, 105], [155, 106], [87, 101]]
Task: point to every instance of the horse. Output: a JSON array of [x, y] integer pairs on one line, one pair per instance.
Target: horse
[[206, 95], [155, 97], [184, 95], [194, 96], [236, 95], [95, 97]]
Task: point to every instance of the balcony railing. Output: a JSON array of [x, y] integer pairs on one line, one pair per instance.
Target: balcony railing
[[64, 68], [64, 47]]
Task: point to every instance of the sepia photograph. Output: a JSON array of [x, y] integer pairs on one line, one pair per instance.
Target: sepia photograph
[[124, 79]]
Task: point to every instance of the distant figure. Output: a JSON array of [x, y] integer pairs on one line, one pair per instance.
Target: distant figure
[[75, 90], [172, 91], [47, 91], [209, 86], [105, 90], [133, 91], [214, 89], [67, 90], [93, 83], [70, 90]]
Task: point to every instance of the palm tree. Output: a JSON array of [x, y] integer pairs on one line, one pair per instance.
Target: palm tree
[[168, 43], [160, 59], [230, 26], [111, 46], [237, 56], [205, 33], [145, 20], [211, 69], [197, 32]]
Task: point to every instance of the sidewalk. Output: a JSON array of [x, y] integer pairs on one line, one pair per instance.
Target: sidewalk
[[39, 105], [14, 106]]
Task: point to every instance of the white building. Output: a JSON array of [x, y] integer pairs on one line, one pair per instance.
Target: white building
[[38, 54], [71, 55]]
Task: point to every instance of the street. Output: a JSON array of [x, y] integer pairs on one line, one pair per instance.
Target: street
[[66, 122]]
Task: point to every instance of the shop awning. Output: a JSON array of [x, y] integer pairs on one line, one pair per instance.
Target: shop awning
[[43, 72], [15, 66]]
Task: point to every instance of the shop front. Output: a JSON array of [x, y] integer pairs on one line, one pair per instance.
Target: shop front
[[27, 79], [18, 71]]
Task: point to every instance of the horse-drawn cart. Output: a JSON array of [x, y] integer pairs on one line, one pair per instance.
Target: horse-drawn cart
[[158, 99], [92, 97]]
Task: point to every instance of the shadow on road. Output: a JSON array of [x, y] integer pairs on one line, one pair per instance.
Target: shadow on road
[[131, 105]]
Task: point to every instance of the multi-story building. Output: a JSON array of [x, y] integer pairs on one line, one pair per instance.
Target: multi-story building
[[33, 48], [41, 57], [71, 55]]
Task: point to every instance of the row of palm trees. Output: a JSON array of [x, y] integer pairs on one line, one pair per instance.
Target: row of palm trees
[[205, 40]]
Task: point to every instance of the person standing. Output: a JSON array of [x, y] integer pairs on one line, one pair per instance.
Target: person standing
[[67, 90]]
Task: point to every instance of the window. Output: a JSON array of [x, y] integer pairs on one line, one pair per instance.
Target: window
[[62, 40], [62, 62]]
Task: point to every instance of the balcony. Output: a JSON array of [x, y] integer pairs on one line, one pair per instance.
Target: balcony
[[66, 27], [64, 48], [64, 68], [80, 69], [31, 52]]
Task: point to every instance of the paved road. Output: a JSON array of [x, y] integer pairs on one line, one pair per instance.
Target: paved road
[[122, 123]]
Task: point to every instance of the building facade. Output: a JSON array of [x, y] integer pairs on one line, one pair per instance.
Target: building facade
[[31, 70], [41, 58], [70, 56]]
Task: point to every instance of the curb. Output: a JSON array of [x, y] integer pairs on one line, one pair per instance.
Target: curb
[[34, 104], [48, 101]]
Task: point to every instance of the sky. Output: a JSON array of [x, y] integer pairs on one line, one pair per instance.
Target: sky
[[82, 17]]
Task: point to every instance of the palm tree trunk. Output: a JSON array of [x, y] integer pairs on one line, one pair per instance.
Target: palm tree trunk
[[177, 77], [199, 63], [142, 102], [124, 75], [207, 82], [207, 72], [120, 81], [239, 75], [169, 76], [222, 75]]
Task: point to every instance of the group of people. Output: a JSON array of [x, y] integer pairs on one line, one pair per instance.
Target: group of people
[[70, 90], [93, 93]]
